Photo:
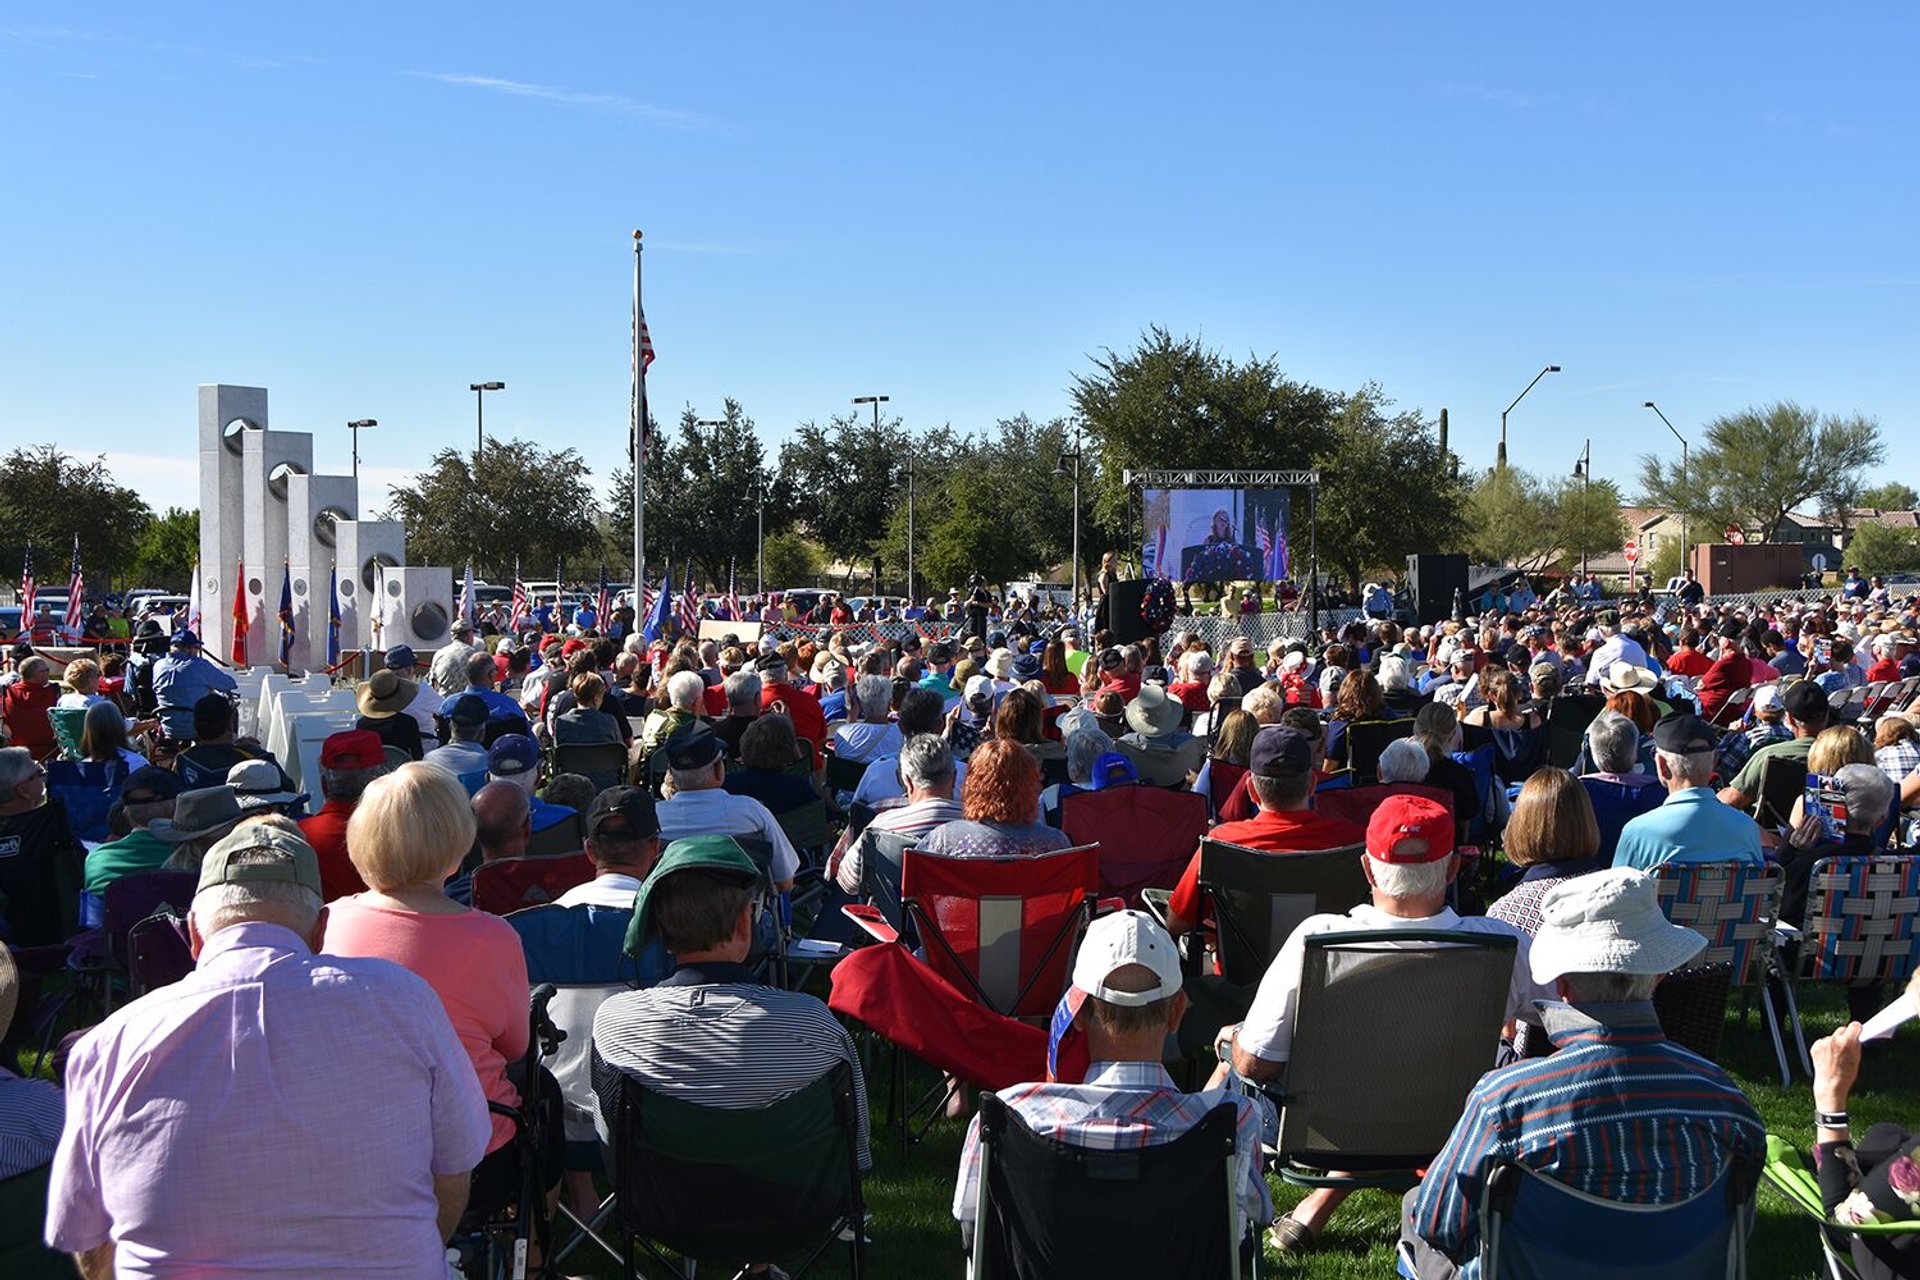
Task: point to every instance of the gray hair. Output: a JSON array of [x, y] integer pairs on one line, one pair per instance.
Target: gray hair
[[273, 902], [1084, 749], [875, 696], [1409, 879], [1394, 676], [16, 766], [1869, 795], [684, 689], [1610, 988], [743, 691], [1404, 760], [1614, 743], [1693, 770], [925, 760], [347, 785]]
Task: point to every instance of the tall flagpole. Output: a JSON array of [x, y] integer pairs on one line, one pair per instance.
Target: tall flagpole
[[639, 429]]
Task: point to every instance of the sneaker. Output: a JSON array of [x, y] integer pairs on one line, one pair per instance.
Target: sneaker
[[1290, 1237]]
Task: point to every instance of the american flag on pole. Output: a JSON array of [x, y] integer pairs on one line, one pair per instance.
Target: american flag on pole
[[642, 361], [690, 606], [76, 592], [29, 592], [240, 623], [285, 613], [193, 601], [517, 610], [733, 592], [603, 602], [467, 604], [1273, 548]]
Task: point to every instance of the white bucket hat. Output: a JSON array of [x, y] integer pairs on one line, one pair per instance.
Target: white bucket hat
[[1608, 922]]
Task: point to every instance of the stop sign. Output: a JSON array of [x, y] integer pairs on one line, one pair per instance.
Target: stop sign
[[1632, 552]]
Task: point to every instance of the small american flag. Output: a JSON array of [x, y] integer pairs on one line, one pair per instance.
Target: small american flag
[[29, 591], [733, 592], [603, 602], [690, 606], [76, 592], [517, 610]]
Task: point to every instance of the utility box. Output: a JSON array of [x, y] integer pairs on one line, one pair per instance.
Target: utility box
[[1726, 568]]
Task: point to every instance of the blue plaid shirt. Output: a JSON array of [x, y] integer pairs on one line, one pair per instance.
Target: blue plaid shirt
[[1620, 1112]]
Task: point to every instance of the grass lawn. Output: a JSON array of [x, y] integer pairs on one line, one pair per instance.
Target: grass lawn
[[914, 1237]]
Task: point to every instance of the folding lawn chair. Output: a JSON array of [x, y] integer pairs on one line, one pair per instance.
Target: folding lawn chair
[[806, 830], [738, 1186], [843, 776], [602, 763], [1732, 710], [1367, 1000], [1146, 835], [1567, 721], [1841, 1243], [86, 789], [69, 725], [1615, 804], [509, 884], [1049, 1209], [1222, 778], [1366, 739], [1782, 781], [1535, 1228], [493, 1239], [1257, 899], [569, 835], [1356, 804], [1861, 927], [1734, 907]]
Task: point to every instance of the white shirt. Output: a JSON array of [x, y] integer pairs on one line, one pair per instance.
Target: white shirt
[[1619, 648], [713, 812], [426, 701], [1268, 1030], [862, 740], [610, 890], [458, 758], [882, 782]]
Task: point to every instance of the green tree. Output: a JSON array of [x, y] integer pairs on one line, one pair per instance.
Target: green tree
[[1891, 496], [528, 503], [1387, 490], [47, 496], [792, 561], [1587, 520], [1173, 403], [1763, 462], [169, 547], [1511, 519], [1878, 548], [847, 477]]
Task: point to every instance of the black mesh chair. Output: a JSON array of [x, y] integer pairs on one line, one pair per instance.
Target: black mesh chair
[[738, 1186], [1782, 781], [1048, 1209], [602, 763]]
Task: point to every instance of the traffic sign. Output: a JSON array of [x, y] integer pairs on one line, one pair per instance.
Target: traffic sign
[[1736, 535], [1632, 552]]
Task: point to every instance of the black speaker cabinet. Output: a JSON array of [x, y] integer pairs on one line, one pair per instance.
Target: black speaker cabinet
[[1432, 579], [1123, 611]]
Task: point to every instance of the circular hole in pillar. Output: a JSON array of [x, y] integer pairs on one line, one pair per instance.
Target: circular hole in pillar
[[230, 434], [429, 620], [254, 587], [325, 525], [300, 586], [376, 562], [346, 588], [277, 478]]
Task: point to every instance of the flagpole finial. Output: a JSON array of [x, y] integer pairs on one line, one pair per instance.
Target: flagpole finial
[[636, 235]]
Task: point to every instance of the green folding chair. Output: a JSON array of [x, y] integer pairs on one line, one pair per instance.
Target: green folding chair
[[1787, 1173]]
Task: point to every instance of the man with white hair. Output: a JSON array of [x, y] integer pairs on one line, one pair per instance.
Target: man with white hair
[[1619, 1112], [1692, 824], [1409, 861], [183, 1113], [685, 693], [874, 734], [702, 806], [742, 691], [927, 767]]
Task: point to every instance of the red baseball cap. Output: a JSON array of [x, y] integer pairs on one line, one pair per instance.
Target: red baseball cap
[[1409, 829], [353, 749], [572, 646]]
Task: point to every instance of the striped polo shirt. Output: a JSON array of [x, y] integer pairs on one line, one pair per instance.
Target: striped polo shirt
[[1620, 1112]]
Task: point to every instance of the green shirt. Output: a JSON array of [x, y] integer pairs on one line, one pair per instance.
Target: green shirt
[[139, 850], [1077, 660], [1747, 781]]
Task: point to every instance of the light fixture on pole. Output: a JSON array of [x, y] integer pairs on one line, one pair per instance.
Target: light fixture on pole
[[1583, 472], [1501, 462], [480, 390], [1060, 468], [355, 427], [1683, 484], [876, 402]]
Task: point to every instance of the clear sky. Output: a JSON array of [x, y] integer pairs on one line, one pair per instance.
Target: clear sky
[[366, 207]]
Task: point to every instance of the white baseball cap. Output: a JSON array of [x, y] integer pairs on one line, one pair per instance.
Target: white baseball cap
[[1121, 939]]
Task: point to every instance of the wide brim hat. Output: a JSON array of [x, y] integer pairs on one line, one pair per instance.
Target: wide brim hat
[[1608, 922], [209, 811], [1629, 677], [1152, 713], [385, 693], [260, 784]]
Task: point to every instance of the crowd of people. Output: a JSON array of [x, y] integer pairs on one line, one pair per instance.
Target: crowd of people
[[343, 968]]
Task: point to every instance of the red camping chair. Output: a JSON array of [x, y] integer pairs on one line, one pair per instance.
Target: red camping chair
[[1146, 835], [1222, 779], [1002, 929], [512, 883], [1356, 804]]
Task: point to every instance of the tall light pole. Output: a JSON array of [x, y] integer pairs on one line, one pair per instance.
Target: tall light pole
[[480, 390], [1583, 472], [1683, 482], [876, 402], [1060, 468], [354, 427], [1501, 462]]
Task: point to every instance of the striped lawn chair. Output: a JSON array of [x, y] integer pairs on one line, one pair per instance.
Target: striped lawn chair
[[1734, 907], [1861, 928]]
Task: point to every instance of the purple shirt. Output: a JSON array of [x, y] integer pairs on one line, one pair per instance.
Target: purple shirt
[[276, 1113]]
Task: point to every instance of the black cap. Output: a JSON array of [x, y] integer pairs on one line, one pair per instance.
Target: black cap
[[694, 747], [635, 804], [1519, 656], [940, 652], [468, 710], [1280, 752], [1805, 701], [1731, 629], [1683, 734], [1111, 658], [150, 785]]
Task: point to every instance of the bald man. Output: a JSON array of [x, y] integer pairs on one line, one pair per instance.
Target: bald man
[[503, 821]]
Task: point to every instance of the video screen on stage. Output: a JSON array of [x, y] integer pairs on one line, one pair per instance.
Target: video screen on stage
[[1216, 535]]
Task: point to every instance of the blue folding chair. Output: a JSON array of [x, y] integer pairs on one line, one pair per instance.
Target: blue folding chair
[[86, 789]]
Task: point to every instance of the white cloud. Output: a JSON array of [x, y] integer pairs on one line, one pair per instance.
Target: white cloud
[[606, 103]]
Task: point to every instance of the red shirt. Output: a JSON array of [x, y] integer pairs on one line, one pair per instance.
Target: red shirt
[[326, 831], [809, 721], [1193, 696], [1882, 671], [1125, 683], [1689, 662], [715, 698], [1293, 831]]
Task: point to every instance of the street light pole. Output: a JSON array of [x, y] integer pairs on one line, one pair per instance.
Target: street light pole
[[1501, 462], [876, 402], [1683, 482], [480, 390], [909, 532], [1058, 468], [354, 427], [1583, 472]]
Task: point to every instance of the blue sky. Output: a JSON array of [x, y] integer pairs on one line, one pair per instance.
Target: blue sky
[[366, 207]]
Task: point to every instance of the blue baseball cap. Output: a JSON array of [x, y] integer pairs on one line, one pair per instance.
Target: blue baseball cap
[[401, 658], [185, 639], [512, 754]]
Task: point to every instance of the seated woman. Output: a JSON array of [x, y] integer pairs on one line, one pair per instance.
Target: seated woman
[[1552, 835], [1021, 719], [1519, 736], [587, 722], [103, 737], [383, 701], [1436, 730], [768, 750], [406, 836], [1360, 698], [1054, 674], [82, 678], [1000, 808], [1873, 1180]]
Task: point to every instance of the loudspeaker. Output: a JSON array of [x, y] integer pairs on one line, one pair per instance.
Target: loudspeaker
[[1123, 611], [1432, 579]]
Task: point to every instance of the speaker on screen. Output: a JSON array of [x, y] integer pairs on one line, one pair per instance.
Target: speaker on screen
[[1432, 579]]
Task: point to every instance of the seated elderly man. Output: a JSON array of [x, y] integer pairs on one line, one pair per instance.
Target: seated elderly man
[[1619, 789], [1162, 753], [502, 821], [685, 694], [516, 759], [928, 768], [1409, 861], [742, 690], [465, 753], [348, 762], [1085, 743], [874, 734], [39, 857], [185, 1114], [702, 806], [1619, 1112], [1692, 824], [1128, 969], [921, 711]]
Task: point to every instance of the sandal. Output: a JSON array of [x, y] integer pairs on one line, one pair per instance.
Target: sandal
[[1291, 1237]]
